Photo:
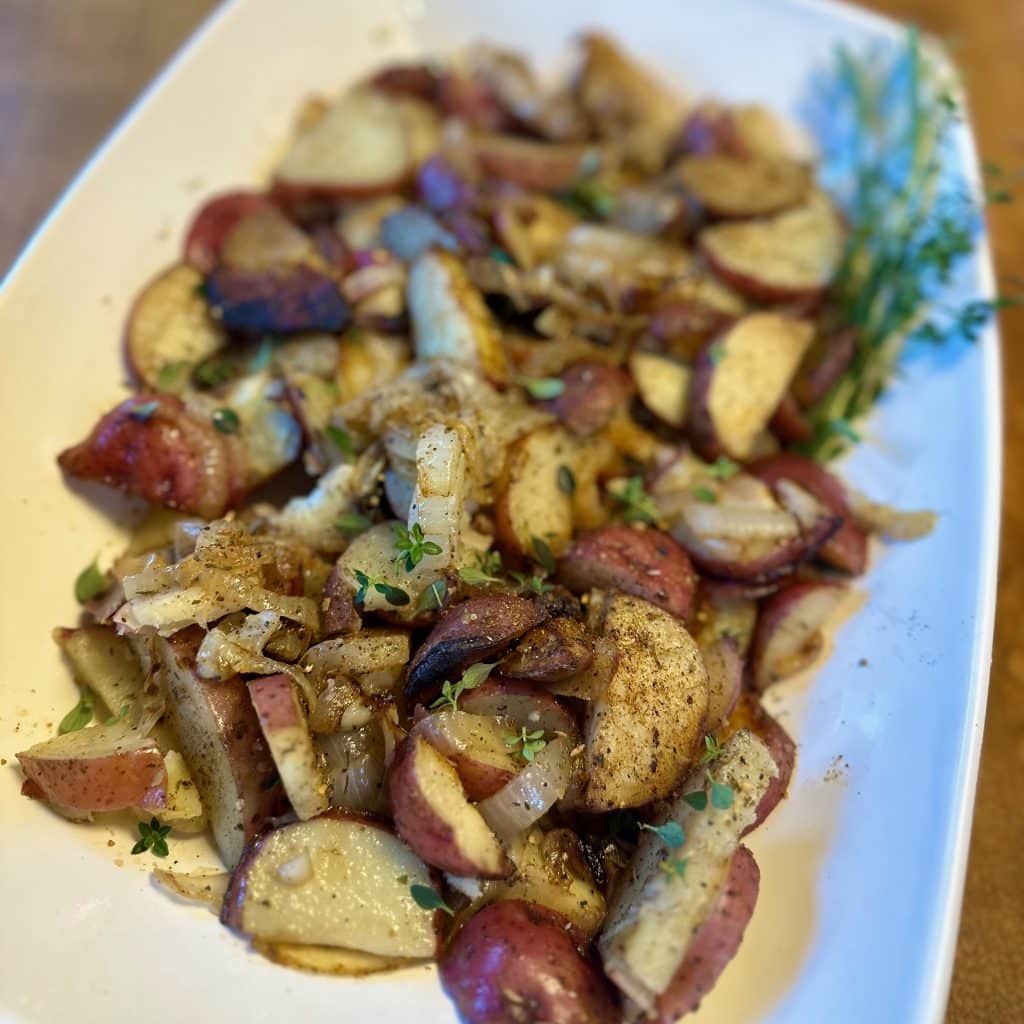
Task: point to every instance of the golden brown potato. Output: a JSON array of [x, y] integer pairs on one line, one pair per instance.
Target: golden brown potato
[[643, 730]]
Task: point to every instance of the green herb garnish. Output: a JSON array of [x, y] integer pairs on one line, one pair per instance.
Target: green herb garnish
[[412, 546], [341, 440], [532, 743], [226, 420], [264, 354], [79, 716], [476, 577], [674, 866], [635, 504], [705, 494], [120, 716], [433, 597], [500, 256], [90, 583], [542, 388], [543, 554], [588, 197], [713, 750], [171, 376], [353, 522], [535, 584], [212, 373], [153, 837], [721, 795], [392, 594], [471, 679], [429, 899], [566, 480], [143, 412], [723, 468], [889, 120], [671, 833], [698, 799]]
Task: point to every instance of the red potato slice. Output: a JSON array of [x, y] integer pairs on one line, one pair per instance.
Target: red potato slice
[[338, 614], [417, 80], [531, 227], [286, 731], [155, 448], [847, 548], [265, 240], [539, 166], [222, 744], [656, 916], [530, 503], [592, 393], [551, 870], [522, 705], [644, 727], [724, 666], [646, 563], [339, 880], [475, 744], [744, 131], [450, 319], [104, 768], [513, 957], [663, 385], [788, 636], [790, 257], [739, 380], [290, 300], [551, 652], [170, 329], [471, 100], [828, 359], [753, 187], [433, 815], [789, 423], [715, 942], [215, 218], [479, 629], [359, 148]]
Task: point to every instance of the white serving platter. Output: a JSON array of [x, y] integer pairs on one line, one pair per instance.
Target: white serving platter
[[862, 867]]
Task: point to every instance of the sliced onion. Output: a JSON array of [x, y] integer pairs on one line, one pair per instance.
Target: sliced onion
[[891, 522], [356, 769], [739, 522], [370, 280], [801, 503], [531, 794]]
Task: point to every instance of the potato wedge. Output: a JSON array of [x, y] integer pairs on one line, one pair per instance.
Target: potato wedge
[[211, 224], [591, 394], [654, 916], [727, 186], [534, 165], [170, 330], [222, 744], [740, 379], [450, 319], [433, 815], [789, 257], [646, 563], [663, 385], [551, 652], [530, 502], [642, 731], [337, 880], [103, 768], [286, 731]]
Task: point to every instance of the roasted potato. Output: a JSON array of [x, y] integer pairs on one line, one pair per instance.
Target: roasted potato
[[643, 730]]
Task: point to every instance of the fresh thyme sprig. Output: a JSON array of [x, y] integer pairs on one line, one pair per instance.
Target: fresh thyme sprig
[[913, 221]]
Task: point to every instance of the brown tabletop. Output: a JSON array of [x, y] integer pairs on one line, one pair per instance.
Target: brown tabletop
[[69, 68]]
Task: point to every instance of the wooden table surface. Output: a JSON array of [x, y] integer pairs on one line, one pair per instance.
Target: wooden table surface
[[69, 68]]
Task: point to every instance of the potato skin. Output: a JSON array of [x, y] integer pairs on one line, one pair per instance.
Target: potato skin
[[214, 220], [338, 611], [171, 457], [284, 302], [477, 629], [550, 652], [715, 942], [847, 548], [516, 962], [593, 391], [645, 563]]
